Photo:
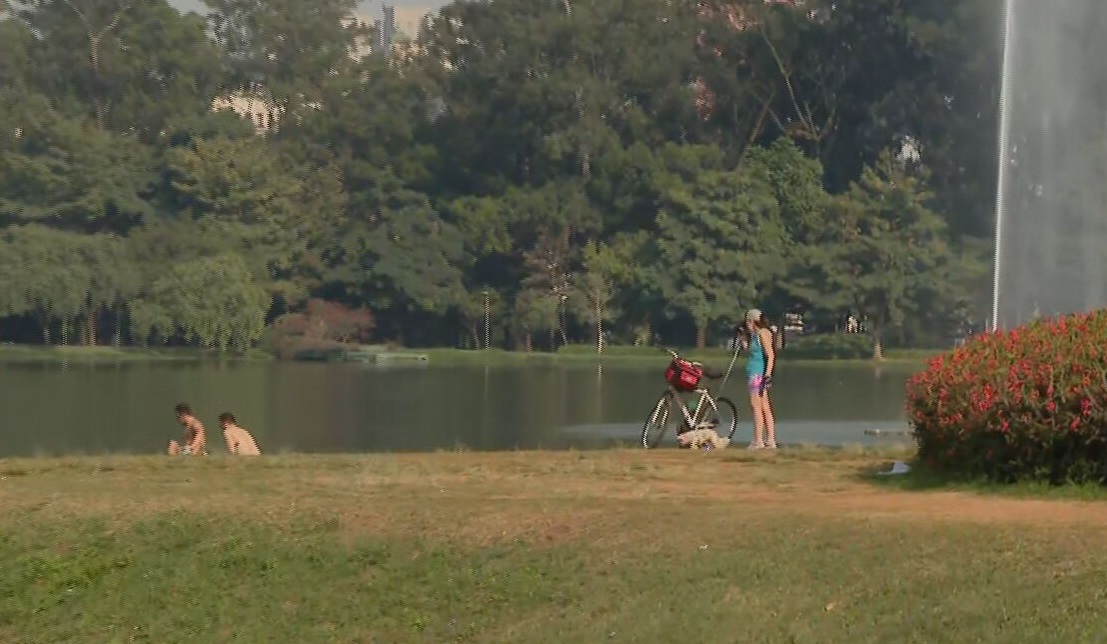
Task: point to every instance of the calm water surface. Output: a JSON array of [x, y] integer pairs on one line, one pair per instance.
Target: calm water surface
[[53, 409]]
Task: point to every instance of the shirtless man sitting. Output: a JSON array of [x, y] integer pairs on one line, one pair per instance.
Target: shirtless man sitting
[[239, 441], [195, 440]]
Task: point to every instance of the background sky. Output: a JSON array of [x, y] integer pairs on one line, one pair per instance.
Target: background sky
[[372, 7]]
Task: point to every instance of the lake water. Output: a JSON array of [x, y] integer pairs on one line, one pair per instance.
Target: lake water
[[55, 409]]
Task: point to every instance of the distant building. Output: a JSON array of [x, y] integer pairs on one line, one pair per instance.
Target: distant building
[[252, 103], [388, 28], [394, 34], [364, 43], [390, 35]]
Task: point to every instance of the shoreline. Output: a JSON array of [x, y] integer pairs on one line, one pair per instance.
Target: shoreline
[[618, 355], [900, 449]]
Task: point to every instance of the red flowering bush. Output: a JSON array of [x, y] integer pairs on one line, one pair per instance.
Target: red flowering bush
[[1026, 404], [324, 325]]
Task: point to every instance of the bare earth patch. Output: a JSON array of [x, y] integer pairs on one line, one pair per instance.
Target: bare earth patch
[[539, 497]]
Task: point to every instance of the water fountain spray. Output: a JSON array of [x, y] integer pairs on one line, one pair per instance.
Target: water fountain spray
[[1004, 161]]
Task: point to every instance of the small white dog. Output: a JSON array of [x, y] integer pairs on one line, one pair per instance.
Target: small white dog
[[698, 438]]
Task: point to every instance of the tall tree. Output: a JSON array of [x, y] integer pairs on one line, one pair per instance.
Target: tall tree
[[130, 65], [69, 173], [796, 185], [213, 301], [45, 277], [601, 272], [921, 72], [276, 208], [537, 91], [765, 74], [287, 48], [720, 245], [886, 253], [398, 255]]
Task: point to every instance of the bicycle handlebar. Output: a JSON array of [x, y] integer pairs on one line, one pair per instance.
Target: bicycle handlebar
[[676, 356]]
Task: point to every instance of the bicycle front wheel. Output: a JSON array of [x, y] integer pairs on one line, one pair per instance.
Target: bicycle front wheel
[[657, 421]]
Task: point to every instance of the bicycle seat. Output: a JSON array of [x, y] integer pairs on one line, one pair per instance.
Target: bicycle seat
[[712, 374]]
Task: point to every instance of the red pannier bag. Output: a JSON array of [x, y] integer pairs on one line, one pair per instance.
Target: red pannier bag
[[683, 375]]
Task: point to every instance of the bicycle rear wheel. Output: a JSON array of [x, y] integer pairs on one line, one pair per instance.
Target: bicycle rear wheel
[[726, 423], [657, 422]]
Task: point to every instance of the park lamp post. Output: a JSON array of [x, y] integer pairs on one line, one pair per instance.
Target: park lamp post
[[486, 316]]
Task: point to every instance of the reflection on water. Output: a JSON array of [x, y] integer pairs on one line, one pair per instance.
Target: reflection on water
[[128, 407]]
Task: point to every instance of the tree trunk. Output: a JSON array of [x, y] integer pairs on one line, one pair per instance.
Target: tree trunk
[[878, 345], [89, 336], [599, 328], [117, 337], [876, 328], [472, 328], [701, 336], [561, 318], [528, 342], [758, 128]]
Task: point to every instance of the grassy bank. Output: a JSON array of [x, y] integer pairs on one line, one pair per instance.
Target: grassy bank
[[623, 545], [38, 353], [575, 354]]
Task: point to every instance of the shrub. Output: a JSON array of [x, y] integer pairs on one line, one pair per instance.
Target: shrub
[[1027, 404], [323, 326], [340, 323]]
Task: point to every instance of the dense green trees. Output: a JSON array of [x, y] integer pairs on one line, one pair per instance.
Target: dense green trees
[[581, 170]]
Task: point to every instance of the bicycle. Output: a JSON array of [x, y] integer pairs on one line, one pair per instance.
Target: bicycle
[[683, 376]]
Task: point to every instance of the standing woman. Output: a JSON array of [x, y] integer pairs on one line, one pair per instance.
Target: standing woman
[[759, 377]]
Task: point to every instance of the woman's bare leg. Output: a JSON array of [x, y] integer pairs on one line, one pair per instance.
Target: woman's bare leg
[[769, 420], [174, 449], [758, 420]]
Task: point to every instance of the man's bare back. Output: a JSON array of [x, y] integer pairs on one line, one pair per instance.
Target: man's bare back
[[239, 441]]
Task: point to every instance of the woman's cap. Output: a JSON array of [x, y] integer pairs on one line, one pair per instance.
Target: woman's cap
[[753, 315]]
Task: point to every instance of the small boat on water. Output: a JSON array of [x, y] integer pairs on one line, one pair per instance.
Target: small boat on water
[[359, 354]]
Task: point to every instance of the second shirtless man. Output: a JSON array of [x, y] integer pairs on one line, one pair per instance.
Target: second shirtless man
[[195, 440]]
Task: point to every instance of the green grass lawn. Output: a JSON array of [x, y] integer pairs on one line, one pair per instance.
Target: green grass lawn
[[804, 545], [643, 356]]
